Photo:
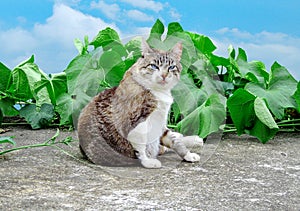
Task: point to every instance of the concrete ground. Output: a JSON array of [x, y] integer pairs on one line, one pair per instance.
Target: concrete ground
[[236, 173]]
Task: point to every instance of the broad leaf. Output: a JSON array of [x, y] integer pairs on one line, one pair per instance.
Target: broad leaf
[[174, 27], [202, 43], [157, 30], [5, 73], [24, 79], [250, 115], [204, 120], [297, 96], [263, 114], [85, 73], [7, 107], [187, 96], [69, 107], [1, 117], [133, 47], [55, 84], [254, 71], [105, 37], [38, 117], [278, 91], [114, 67]]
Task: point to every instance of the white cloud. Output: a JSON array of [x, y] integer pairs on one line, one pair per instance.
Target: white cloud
[[264, 46], [139, 16], [52, 42], [18, 39], [66, 24], [174, 14], [145, 4], [110, 10]]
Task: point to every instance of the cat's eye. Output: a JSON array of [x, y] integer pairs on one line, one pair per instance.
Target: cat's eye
[[154, 67], [172, 68]]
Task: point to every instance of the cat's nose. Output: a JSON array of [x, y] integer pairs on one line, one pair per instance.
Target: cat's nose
[[164, 76]]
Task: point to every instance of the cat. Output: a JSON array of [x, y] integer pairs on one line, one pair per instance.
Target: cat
[[129, 121]]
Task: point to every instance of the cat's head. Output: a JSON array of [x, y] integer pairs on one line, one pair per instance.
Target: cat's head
[[158, 69]]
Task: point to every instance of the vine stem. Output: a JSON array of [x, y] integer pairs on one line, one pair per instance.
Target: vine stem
[[50, 142], [24, 147]]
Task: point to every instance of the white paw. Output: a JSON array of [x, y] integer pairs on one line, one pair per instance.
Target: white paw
[[151, 163], [191, 157]]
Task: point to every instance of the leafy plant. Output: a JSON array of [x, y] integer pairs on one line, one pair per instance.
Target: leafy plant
[[212, 88], [38, 117]]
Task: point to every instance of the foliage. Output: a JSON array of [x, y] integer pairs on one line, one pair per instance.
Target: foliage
[[38, 117], [212, 88]]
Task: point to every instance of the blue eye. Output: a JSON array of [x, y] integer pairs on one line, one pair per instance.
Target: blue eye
[[172, 68], [154, 67]]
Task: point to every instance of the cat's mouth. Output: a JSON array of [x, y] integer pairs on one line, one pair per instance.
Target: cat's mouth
[[162, 82]]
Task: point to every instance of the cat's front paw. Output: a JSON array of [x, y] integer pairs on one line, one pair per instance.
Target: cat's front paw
[[191, 157], [151, 163]]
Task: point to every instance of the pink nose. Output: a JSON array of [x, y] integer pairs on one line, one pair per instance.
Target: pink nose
[[164, 76]]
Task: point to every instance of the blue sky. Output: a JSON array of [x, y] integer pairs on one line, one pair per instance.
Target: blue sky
[[268, 30]]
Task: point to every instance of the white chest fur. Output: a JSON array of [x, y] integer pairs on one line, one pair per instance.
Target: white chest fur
[[151, 129]]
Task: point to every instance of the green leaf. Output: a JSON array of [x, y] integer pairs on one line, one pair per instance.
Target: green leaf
[[55, 84], [133, 47], [250, 115], [105, 37], [204, 120], [278, 91], [242, 55], [231, 52], [85, 73], [297, 96], [5, 73], [202, 43], [113, 66], [254, 71], [157, 30], [7, 140], [241, 108], [1, 117], [70, 105], [38, 117], [174, 27], [189, 52], [24, 78], [7, 107], [187, 96], [219, 61], [82, 47], [263, 114]]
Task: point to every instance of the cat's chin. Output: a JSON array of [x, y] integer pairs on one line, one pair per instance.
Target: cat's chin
[[163, 83]]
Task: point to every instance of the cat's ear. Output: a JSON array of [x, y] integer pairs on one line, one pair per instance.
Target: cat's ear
[[145, 48], [177, 50]]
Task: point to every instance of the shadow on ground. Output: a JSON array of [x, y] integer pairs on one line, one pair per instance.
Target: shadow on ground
[[241, 174]]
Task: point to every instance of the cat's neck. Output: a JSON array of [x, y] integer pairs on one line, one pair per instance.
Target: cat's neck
[[163, 95]]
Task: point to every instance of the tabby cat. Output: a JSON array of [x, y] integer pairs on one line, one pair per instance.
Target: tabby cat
[[129, 121]]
